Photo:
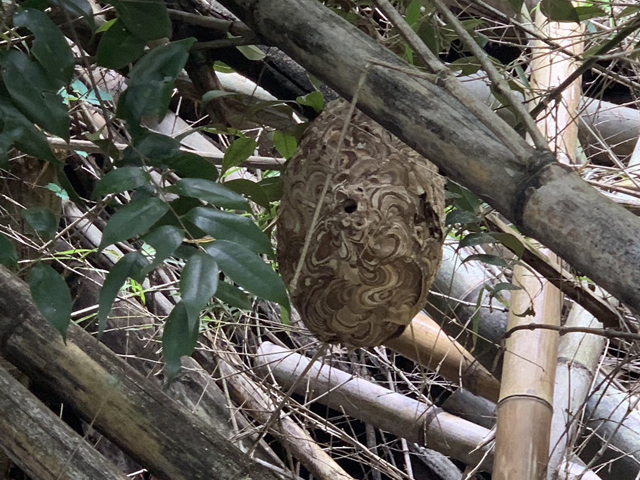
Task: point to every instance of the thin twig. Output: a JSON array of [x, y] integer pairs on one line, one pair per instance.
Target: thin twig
[[498, 80], [316, 214], [603, 332], [445, 78], [271, 163], [217, 24]]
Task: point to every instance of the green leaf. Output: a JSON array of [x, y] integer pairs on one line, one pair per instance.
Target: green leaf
[[107, 146], [51, 295], [128, 266], [37, 4], [121, 180], [151, 82], [16, 129], [177, 208], [198, 283], [464, 199], [238, 152], [164, 240], [49, 47], [106, 25], [589, 12], [559, 11], [58, 191], [77, 8], [232, 295], [119, 47], [34, 93], [230, 226], [210, 192], [192, 165], [42, 220], [632, 10], [461, 217], [147, 19], [474, 239], [510, 241], [499, 287], [314, 100], [413, 13], [272, 186], [222, 67], [285, 144], [516, 5], [249, 271], [252, 52], [133, 219], [214, 94], [8, 253], [179, 339], [152, 149], [488, 259], [465, 65], [251, 190]]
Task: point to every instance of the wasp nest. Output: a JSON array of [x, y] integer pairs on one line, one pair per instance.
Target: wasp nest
[[376, 244]]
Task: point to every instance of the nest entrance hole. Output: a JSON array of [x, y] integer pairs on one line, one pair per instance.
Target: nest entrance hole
[[350, 205]]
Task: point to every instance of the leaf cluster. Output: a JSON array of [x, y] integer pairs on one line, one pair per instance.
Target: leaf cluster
[[166, 203]]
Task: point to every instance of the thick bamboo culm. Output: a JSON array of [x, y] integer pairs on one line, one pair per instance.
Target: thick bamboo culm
[[525, 409], [43, 445]]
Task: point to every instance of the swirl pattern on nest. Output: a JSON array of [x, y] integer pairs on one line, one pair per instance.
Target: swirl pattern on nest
[[377, 244]]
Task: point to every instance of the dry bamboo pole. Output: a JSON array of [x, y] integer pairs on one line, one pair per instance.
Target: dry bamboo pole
[[526, 397], [578, 358], [127, 408], [256, 403], [41, 444], [417, 422], [525, 409], [613, 416], [424, 342]]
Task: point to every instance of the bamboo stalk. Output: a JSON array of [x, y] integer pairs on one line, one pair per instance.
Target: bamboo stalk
[[578, 358], [418, 422], [256, 403], [613, 416], [525, 409], [424, 342], [123, 405], [41, 443], [526, 398]]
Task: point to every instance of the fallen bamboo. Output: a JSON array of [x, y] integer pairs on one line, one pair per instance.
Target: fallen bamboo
[[418, 422], [41, 444], [120, 403], [245, 392]]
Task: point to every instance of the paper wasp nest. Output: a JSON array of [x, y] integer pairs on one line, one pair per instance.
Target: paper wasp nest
[[377, 243]]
